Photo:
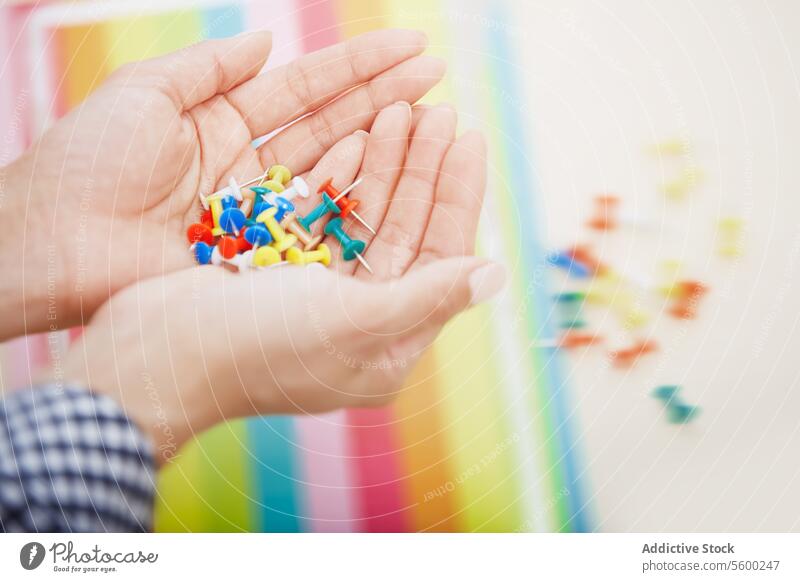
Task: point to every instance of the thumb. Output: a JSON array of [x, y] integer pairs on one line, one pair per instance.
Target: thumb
[[428, 297], [196, 73]]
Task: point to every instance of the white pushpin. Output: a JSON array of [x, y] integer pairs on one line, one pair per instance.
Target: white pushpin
[[299, 187]]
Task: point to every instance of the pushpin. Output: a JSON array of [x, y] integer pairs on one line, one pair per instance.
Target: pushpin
[[670, 147], [298, 257], [575, 339], [585, 256], [266, 256], [680, 186], [227, 247], [570, 306], [568, 340], [299, 187], [346, 206], [290, 224], [282, 241], [249, 200], [260, 204], [199, 232], [729, 237], [258, 235], [205, 218], [677, 410], [351, 248], [283, 206], [232, 189], [279, 173], [628, 357], [242, 243], [327, 205], [272, 186], [202, 252], [605, 213], [567, 263], [215, 202], [689, 294], [232, 220]]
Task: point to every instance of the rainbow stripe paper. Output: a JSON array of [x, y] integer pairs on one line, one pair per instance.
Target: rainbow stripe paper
[[480, 440]]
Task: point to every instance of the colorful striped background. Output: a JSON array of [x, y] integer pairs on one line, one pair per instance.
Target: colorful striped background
[[480, 440]]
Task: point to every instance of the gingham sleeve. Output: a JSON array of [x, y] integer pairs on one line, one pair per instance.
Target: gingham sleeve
[[71, 461]]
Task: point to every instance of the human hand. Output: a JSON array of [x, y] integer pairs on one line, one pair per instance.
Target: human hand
[[104, 197], [202, 345]]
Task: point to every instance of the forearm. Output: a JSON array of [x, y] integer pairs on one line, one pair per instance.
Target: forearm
[[72, 461], [34, 280]]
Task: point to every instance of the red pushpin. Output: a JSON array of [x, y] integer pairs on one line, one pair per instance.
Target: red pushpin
[[346, 206], [605, 213], [199, 232]]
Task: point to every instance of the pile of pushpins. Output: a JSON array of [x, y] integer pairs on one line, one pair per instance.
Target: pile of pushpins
[[251, 226], [601, 284]]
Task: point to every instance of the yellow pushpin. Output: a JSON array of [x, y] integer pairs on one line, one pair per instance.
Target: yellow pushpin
[[680, 186], [215, 203], [266, 256], [281, 240], [321, 255], [670, 147], [279, 173], [729, 237]]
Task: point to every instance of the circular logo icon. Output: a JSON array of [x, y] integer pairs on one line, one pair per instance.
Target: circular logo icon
[[31, 555]]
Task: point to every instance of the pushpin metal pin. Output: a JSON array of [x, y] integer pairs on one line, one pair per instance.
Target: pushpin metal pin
[[346, 206], [351, 248]]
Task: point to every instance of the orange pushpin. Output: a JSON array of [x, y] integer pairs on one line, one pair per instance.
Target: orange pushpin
[[583, 254], [605, 213], [578, 339], [689, 294], [629, 356], [346, 206]]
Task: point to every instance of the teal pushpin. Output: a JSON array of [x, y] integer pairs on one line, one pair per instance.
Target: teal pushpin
[[677, 410], [327, 205], [570, 306], [351, 248]]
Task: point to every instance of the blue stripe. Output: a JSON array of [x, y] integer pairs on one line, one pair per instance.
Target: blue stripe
[[272, 443], [222, 21], [525, 193]]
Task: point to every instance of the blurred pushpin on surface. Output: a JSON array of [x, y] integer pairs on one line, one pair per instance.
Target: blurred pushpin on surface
[[678, 411], [729, 237]]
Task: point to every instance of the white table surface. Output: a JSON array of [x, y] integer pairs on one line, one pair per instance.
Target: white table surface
[[607, 78]]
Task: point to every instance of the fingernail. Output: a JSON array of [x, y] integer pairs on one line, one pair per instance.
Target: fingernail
[[485, 282], [360, 132], [403, 104]]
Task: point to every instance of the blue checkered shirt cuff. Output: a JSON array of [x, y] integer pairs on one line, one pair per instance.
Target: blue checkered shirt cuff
[[71, 461]]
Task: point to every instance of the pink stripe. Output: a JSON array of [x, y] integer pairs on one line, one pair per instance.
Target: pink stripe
[[328, 485], [378, 472], [318, 24]]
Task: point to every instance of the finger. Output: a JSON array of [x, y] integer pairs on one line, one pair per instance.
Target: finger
[[457, 204], [280, 96], [400, 233], [341, 163], [301, 144], [196, 73], [383, 161]]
